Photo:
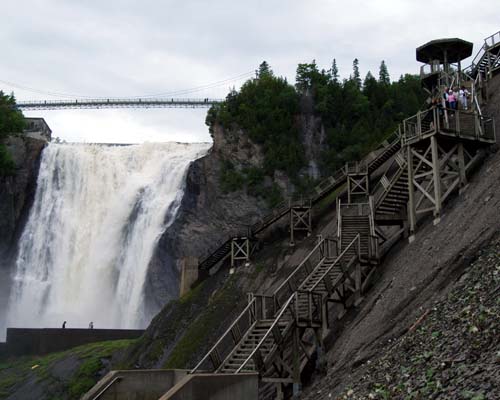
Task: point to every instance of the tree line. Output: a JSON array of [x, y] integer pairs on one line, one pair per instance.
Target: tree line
[[11, 122], [356, 114]]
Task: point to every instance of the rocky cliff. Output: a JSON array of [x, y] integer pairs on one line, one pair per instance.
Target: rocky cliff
[[16, 191], [16, 195], [209, 214]]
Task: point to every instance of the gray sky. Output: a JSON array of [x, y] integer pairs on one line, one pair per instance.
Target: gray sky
[[131, 48]]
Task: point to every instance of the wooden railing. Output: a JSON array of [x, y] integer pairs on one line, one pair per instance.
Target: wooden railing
[[459, 123], [346, 269], [231, 337], [492, 40], [327, 247]]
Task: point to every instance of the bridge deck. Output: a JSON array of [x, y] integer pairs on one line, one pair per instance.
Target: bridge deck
[[117, 103]]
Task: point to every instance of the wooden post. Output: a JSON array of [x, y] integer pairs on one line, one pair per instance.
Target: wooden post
[[461, 164], [436, 173], [296, 363], [411, 196]]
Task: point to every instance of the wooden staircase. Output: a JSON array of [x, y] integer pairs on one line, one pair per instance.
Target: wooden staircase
[[254, 342], [391, 201], [387, 149]]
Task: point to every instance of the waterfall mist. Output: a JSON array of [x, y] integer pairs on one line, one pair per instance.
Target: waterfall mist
[[97, 216]]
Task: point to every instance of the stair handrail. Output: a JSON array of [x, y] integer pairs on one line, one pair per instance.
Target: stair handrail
[[493, 40], [285, 307], [226, 333], [339, 221], [326, 240], [380, 191], [356, 241]]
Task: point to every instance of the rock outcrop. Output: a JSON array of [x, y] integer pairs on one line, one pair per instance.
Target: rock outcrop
[[206, 215], [17, 191], [16, 196]]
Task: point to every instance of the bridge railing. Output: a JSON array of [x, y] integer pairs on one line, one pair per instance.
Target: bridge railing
[[115, 102]]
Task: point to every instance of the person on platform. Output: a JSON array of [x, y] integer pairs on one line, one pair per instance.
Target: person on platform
[[462, 97], [91, 325], [452, 100], [64, 325], [446, 104]]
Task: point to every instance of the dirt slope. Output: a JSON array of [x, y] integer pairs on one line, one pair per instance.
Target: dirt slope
[[416, 275]]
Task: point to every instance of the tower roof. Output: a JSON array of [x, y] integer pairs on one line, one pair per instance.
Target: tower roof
[[456, 49]]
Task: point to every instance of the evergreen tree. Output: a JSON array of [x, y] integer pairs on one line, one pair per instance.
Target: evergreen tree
[[264, 70], [356, 78], [334, 72], [11, 122], [370, 86], [307, 76], [383, 74]]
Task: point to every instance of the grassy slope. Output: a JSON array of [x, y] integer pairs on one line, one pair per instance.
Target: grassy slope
[[81, 369]]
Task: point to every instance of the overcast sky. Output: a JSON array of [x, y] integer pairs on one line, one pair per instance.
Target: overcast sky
[[110, 48]]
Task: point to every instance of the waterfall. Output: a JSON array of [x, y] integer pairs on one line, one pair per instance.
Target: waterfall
[[97, 216]]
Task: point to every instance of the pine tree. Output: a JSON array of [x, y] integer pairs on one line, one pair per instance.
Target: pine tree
[[355, 73], [334, 72], [264, 70], [383, 74]]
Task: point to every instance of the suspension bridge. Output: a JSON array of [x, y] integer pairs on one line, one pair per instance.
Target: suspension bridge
[[117, 103], [195, 97]]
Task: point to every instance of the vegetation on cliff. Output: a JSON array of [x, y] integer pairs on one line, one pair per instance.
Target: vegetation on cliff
[[11, 121], [356, 115]]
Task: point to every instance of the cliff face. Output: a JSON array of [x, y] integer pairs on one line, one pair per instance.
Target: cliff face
[[17, 191], [16, 196], [208, 215]]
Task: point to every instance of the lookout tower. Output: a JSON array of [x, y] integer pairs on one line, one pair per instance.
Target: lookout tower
[[442, 62], [443, 142]]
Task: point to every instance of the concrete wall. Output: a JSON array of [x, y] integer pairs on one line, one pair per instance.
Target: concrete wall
[[215, 387], [135, 385], [22, 341], [3, 350], [189, 274]]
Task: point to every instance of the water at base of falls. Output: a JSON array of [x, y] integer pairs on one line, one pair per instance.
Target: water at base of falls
[[97, 216]]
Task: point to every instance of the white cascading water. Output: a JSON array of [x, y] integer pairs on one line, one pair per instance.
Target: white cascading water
[[97, 216]]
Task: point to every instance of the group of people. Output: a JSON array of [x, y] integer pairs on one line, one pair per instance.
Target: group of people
[[91, 325], [454, 96]]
